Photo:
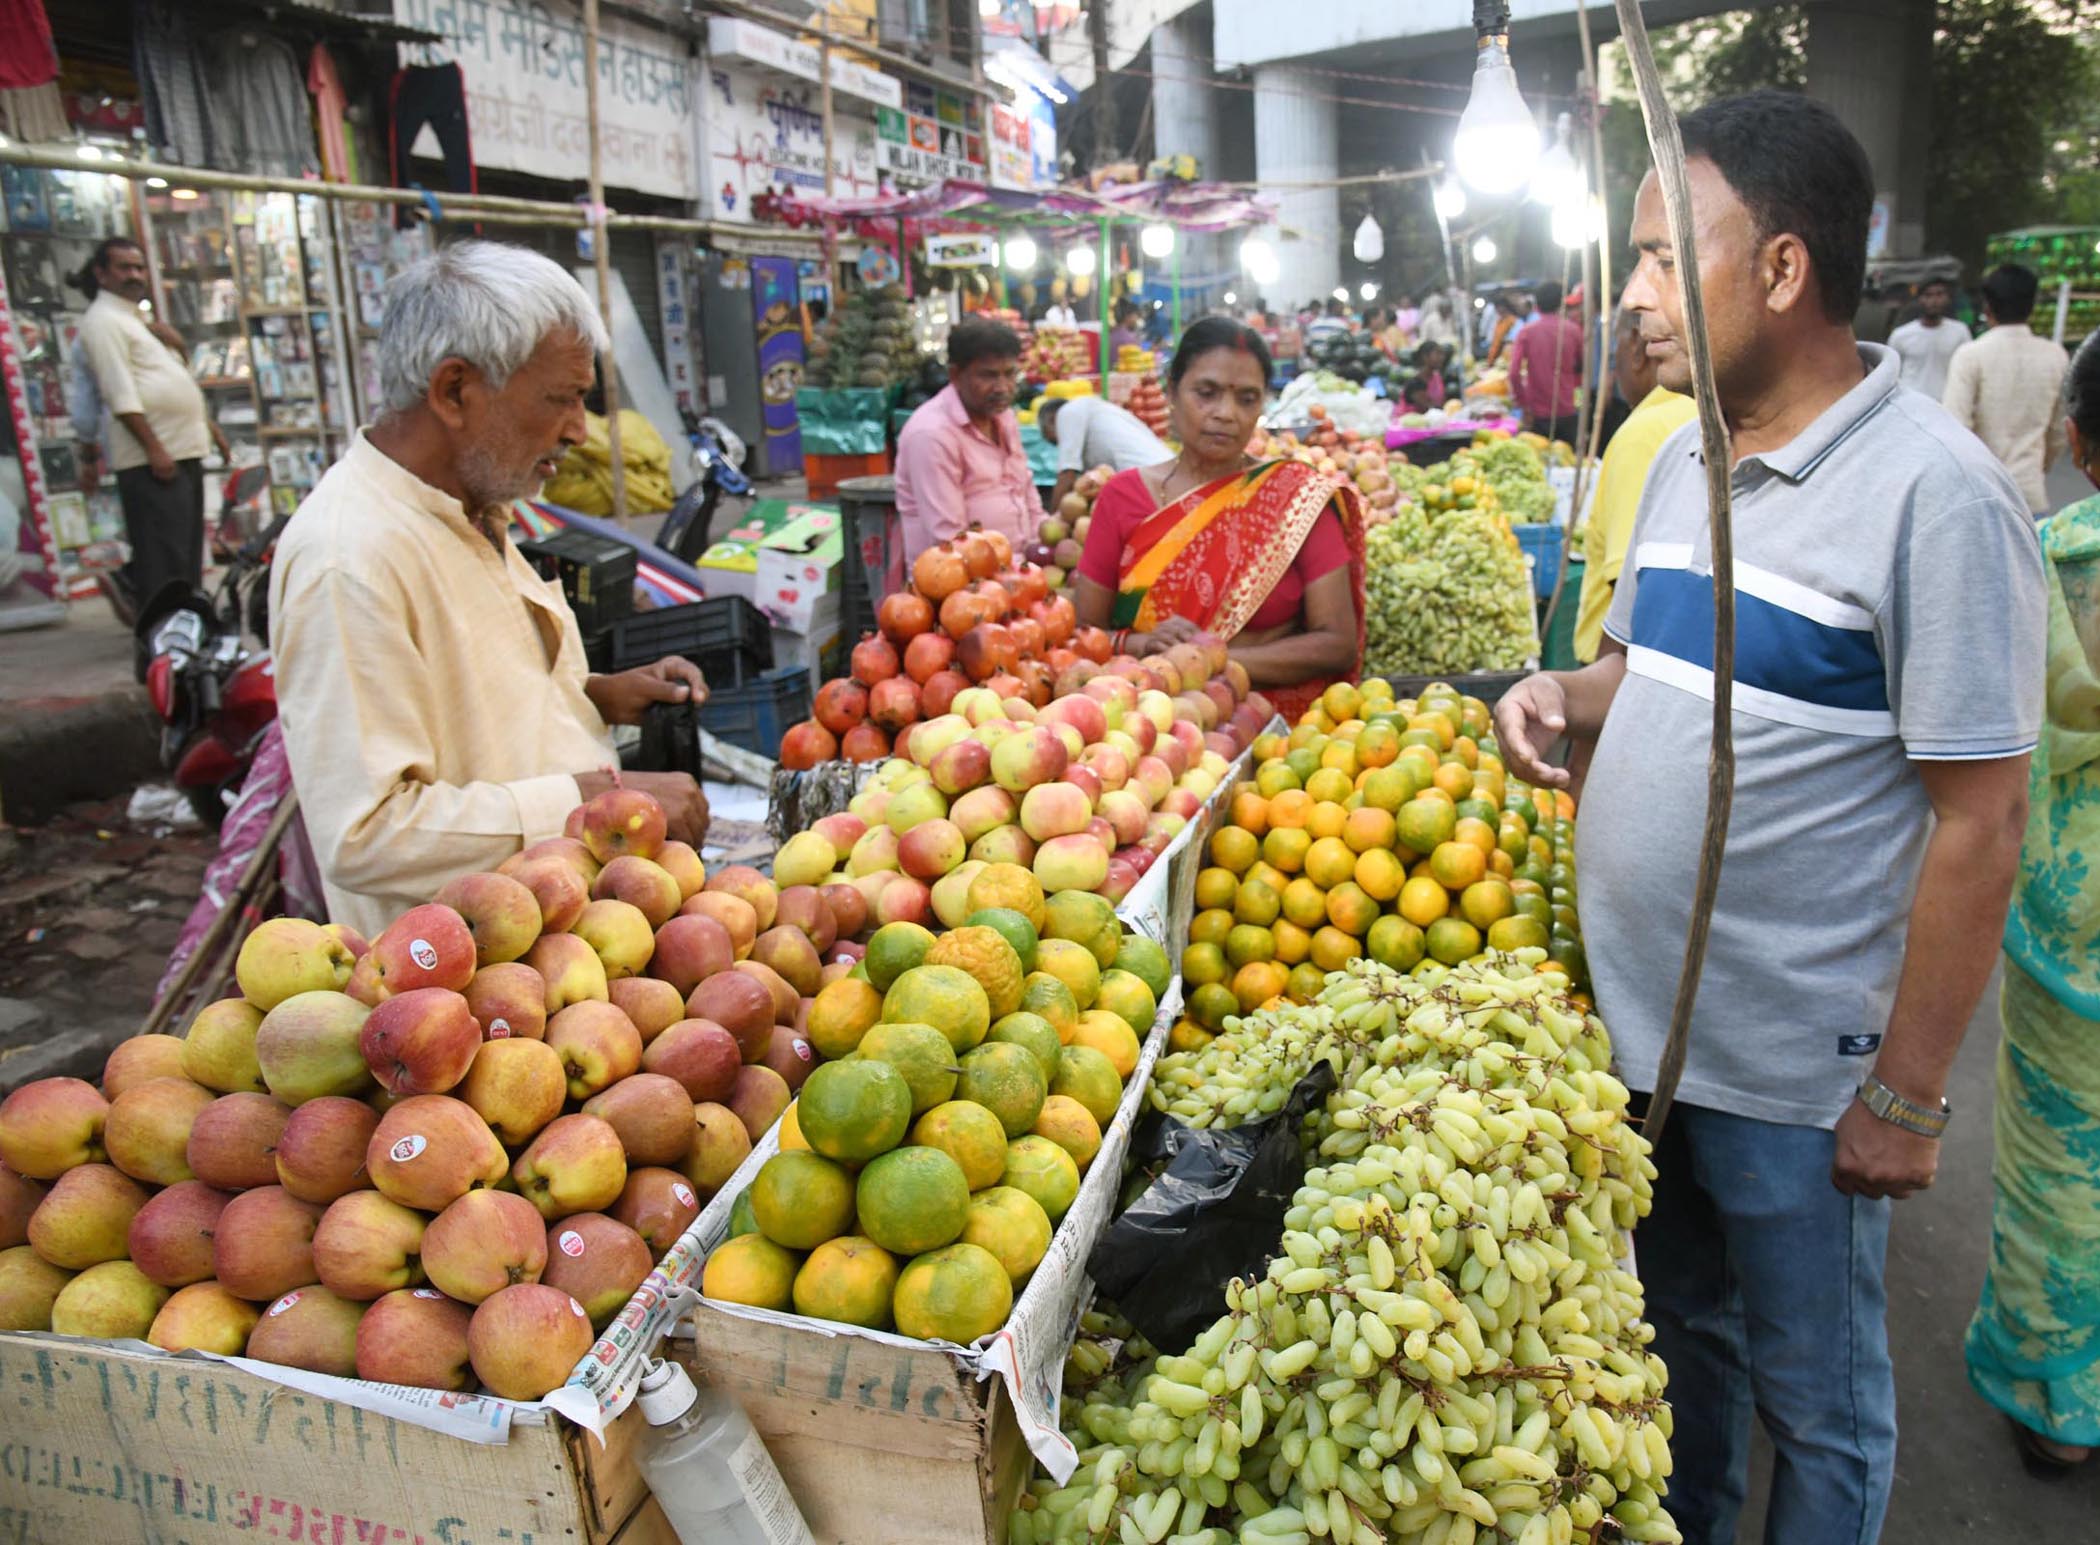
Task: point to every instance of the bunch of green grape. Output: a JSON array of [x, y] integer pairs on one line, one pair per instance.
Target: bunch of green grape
[[1446, 594], [1445, 1349]]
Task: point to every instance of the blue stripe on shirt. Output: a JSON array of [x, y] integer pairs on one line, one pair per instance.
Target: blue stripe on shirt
[[1777, 650]]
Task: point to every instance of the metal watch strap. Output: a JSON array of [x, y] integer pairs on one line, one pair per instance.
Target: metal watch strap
[[1893, 1108]]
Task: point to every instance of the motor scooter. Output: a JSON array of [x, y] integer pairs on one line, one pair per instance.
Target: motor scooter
[[719, 456]]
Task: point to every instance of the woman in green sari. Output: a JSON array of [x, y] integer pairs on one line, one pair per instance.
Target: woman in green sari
[[2034, 1344]]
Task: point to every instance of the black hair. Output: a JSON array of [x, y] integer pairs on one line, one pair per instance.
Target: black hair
[[1046, 410], [1936, 282], [1210, 333], [976, 338], [2082, 391], [1335, 308], [1125, 308], [1799, 171], [2009, 291], [1547, 297], [85, 280]]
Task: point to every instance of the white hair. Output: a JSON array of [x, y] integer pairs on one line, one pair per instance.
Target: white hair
[[485, 302]]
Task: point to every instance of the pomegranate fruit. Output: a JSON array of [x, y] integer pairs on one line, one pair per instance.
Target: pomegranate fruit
[[864, 743], [903, 617], [874, 660], [937, 696], [807, 744], [841, 704], [894, 703], [938, 573], [928, 654]]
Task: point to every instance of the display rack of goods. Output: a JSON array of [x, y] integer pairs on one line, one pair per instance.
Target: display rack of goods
[[1360, 458], [444, 1158], [1447, 1343], [1378, 828], [921, 1174], [1149, 403], [1057, 353], [869, 341], [1343, 404], [971, 615], [1061, 537], [1447, 590], [1132, 359]]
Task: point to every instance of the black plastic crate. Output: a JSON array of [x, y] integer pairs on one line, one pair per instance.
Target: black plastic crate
[[595, 573], [726, 636], [758, 715]]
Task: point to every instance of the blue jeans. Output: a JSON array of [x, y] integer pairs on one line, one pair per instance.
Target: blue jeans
[[1764, 1284]]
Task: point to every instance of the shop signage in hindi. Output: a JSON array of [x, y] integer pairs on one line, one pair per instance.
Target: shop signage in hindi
[[764, 133], [730, 38], [962, 251], [526, 102]]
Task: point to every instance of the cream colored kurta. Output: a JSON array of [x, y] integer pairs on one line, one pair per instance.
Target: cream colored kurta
[[431, 689]]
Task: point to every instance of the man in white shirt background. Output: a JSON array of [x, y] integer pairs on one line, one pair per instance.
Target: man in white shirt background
[[2006, 387], [1094, 432], [1926, 345]]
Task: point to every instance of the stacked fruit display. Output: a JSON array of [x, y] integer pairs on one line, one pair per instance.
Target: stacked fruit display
[[869, 341], [448, 1156], [1056, 353], [1133, 359], [1083, 794], [1378, 828], [1445, 1345], [1149, 403], [921, 1173], [1061, 538], [1447, 593], [971, 615]]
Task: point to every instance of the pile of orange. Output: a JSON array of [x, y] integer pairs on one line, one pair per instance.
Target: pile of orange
[[1378, 827]]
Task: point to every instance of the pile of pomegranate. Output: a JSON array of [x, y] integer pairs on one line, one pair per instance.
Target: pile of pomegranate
[[972, 617]]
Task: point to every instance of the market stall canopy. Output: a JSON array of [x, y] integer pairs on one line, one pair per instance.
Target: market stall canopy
[[1192, 206]]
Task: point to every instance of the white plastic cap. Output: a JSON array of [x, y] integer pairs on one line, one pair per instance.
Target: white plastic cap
[[667, 1393]]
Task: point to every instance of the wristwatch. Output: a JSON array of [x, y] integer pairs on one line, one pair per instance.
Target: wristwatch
[[1891, 1107]]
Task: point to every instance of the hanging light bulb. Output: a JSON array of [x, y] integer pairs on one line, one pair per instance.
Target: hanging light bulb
[[1449, 198], [1156, 241], [1578, 222], [1497, 141], [1485, 250], [1557, 179], [1020, 254], [1369, 245], [1367, 290], [1231, 299], [1259, 259], [1080, 261]]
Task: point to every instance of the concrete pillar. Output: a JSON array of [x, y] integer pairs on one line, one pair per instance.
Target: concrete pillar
[[1296, 139], [1871, 62]]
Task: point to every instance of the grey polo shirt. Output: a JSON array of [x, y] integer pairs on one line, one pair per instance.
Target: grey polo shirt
[[1094, 432], [1890, 609]]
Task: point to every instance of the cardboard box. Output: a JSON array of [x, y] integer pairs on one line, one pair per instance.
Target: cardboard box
[[819, 646], [730, 566], [113, 1441], [798, 566]]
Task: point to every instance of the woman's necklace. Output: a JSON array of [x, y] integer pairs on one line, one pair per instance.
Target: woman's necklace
[[1166, 484]]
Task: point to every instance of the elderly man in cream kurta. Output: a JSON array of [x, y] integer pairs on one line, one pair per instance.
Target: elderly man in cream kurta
[[437, 709]]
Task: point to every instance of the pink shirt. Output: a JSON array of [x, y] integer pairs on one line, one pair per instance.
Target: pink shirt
[[951, 476], [1535, 385]]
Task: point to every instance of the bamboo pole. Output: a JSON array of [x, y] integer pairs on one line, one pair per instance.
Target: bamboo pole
[[1667, 148], [601, 258]]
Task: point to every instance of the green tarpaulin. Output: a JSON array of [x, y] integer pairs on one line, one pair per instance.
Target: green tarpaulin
[[849, 422]]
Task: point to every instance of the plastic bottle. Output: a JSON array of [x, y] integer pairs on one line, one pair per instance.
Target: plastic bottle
[[709, 1468]]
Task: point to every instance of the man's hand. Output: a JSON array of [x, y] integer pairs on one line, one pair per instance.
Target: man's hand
[[685, 805], [1877, 1158], [160, 463], [218, 438], [1528, 724], [623, 699]]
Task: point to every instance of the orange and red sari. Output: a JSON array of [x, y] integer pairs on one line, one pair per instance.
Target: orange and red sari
[[1214, 555]]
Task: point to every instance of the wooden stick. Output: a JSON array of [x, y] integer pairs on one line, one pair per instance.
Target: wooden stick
[[214, 937], [1667, 147], [601, 257]]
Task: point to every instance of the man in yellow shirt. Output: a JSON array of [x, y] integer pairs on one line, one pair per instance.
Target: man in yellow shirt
[[438, 714], [1657, 414]]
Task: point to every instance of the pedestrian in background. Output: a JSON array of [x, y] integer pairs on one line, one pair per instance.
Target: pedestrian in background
[[2034, 1344], [1545, 368], [2005, 385], [1926, 344], [1868, 526], [159, 429]]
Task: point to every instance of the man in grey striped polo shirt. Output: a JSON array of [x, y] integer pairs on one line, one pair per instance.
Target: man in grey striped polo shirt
[[1887, 691]]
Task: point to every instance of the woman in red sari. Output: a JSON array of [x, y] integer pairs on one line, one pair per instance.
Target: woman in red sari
[[1268, 556]]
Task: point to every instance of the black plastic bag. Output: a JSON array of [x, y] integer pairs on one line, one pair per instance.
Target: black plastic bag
[[1214, 1213]]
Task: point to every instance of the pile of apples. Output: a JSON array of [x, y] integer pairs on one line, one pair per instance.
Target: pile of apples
[[447, 1157], [1060, 540], [1362, 459], [972, 616], [1059, 354], [1149, 403], [1086, 791]]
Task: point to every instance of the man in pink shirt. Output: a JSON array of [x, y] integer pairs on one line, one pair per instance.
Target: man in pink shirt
[[959, 459], [1545, 367]]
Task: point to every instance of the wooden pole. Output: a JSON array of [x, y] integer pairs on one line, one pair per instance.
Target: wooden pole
[[601, 257], [1667, 147]]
